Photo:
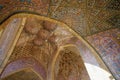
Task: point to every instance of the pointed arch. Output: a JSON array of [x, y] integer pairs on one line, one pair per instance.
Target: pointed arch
[[21, 63]]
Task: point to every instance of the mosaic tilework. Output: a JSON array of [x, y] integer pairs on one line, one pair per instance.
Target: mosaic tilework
[[115, 20], [83, 18], [72, 17], [77, 14], [71, 13], [35, 6], [114, 5], [108, 45], [97, 15]]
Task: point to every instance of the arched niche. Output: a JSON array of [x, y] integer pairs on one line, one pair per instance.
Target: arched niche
[[23, 74], [22, 63], [69, 65]]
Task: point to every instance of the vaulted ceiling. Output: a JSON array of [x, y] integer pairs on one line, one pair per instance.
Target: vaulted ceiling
[[86, 17], [96, 21]]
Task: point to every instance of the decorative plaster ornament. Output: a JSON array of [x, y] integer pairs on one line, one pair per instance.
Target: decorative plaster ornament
[[38, 42], [43, 34], [49, 26], [52, 38]]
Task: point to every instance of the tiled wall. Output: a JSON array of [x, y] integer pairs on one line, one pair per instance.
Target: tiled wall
[[108, 46]]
